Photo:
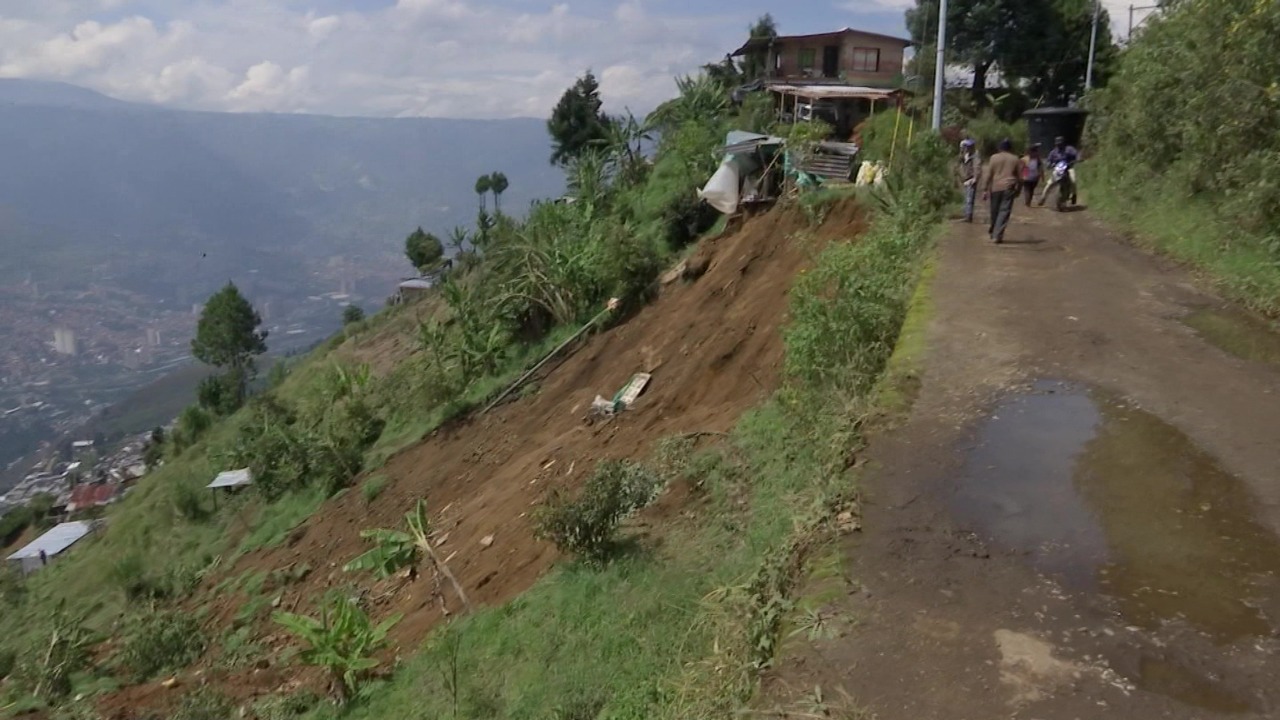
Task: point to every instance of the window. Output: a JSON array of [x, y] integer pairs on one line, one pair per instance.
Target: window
[[866, 60], [808, 58]]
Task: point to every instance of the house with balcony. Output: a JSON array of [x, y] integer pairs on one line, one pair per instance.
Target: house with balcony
[[839, 76]]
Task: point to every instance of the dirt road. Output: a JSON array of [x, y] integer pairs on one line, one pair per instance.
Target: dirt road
[[1079, 517]]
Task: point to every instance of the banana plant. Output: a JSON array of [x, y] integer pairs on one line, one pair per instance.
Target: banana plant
[[343, 640], [395, 550]]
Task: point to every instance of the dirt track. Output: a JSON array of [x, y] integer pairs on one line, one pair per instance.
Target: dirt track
[[1079, 517]]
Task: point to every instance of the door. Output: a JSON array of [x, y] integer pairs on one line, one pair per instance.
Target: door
[[831, 61]]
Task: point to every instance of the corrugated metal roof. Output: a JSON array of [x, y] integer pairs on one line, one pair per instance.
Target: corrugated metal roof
[[59, 538], [232, 478], [92, 494], [820, 91]]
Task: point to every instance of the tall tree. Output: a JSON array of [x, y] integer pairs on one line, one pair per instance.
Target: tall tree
[[755, 64], [228, 338], [423, 249], [1059, 70], [983, 33], [498, 184], [577, 120], [484, 184]]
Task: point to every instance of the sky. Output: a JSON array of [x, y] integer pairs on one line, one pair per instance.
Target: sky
[[397, 58]]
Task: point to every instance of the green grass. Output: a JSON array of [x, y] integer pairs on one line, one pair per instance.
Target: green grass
[[681, 628], [1190, 230], [901, 383]]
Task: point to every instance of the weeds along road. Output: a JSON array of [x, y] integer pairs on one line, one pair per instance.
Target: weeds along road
[[1079, 517]]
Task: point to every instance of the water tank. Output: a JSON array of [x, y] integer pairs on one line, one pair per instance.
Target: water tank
[[1044, 124]]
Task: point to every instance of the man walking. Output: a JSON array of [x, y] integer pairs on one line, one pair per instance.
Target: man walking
[[1061, 152], [968, 170], [1001, 183]]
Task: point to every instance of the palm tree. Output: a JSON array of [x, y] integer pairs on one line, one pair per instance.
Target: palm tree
[[498, 184], [457, 239], [484, 184], [624, 145]]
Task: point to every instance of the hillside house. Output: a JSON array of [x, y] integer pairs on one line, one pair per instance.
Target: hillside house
[[838, 77], [846, 56]]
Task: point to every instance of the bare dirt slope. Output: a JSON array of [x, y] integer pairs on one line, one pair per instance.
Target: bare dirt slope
[[1078, 519], [713, 347]]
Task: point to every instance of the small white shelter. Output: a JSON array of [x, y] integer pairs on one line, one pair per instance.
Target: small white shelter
[[231, 479], [37, 553]]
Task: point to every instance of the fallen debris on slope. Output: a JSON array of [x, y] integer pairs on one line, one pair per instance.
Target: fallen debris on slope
[[713, 350]]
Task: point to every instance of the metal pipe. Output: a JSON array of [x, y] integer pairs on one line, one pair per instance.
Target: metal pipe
[[941, 66], [1093, 46]]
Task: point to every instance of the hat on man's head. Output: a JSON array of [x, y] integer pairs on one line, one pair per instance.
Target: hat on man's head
[[1006, 144], [967, 143]]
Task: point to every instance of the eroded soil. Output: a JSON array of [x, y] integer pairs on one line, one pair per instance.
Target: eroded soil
[[713, 346]]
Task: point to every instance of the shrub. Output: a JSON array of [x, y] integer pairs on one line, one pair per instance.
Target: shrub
[[14, 523], [8, 659], [342, 640], [285, 707], [188, 502], [160, 642], [49, 664], [286, 451], [192, 425], [373, 487], [586, 526], [203, 704], [129, 574]]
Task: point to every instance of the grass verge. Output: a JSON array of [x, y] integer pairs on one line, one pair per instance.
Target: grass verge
[[1159, 217]]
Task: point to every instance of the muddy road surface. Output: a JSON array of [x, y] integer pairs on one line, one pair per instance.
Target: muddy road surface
[[1080, 516]]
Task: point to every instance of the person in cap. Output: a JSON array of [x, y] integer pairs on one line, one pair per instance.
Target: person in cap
[[1000, 184], [1030, 172], [1061, 152], [968, 170]]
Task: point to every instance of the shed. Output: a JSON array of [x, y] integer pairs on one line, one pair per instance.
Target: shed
[[35, 554], [231, 479], [413, 287], [1044, 124]]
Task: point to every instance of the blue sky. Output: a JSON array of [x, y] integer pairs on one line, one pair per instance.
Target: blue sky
[[391, 58]]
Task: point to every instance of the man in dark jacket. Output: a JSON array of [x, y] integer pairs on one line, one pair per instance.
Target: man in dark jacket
[[1000, 183], [1061, 152]]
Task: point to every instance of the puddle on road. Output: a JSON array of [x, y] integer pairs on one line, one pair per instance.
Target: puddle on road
[[1112, 500], [1237, 332], [1185, 686]]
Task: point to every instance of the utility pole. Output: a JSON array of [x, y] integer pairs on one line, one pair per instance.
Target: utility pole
[[1093, 46], [1132, 9], [941, 67]]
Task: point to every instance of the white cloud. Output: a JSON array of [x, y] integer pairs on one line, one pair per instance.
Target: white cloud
[[875, 5], [454, 58]]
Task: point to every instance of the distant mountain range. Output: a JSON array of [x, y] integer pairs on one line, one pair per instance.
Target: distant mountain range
[[174, 203]]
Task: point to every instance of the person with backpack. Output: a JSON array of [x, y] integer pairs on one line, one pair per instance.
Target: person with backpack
[[1030, 172]]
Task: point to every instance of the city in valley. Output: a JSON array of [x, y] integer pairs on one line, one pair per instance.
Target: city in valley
[[70, 354]]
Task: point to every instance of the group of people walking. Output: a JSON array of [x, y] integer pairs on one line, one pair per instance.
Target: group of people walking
[[1005, 176]]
